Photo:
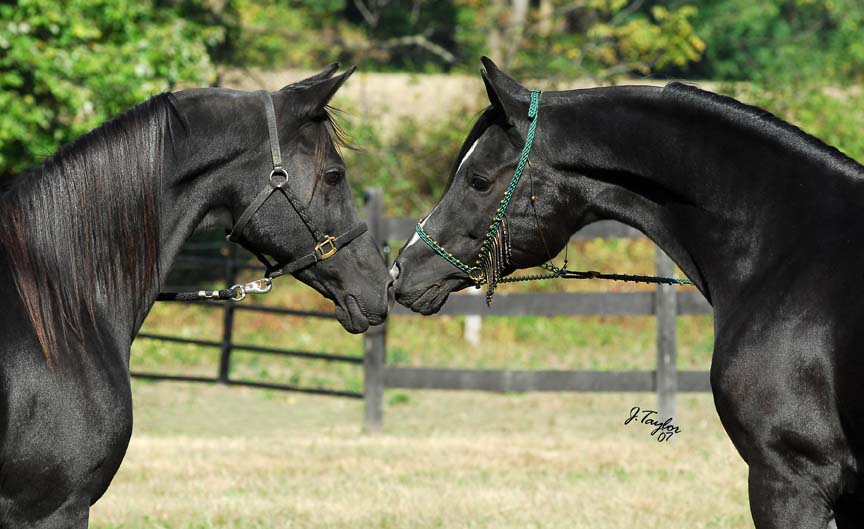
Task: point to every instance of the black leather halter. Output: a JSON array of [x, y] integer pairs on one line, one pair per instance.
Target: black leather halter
[[327, 245]]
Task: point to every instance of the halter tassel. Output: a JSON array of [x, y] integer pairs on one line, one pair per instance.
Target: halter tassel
[[496, 258]]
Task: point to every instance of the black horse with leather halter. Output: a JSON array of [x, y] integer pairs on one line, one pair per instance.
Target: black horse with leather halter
[[85, 248], [326, 245]]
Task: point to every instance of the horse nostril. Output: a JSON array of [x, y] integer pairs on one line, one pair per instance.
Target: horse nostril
[[391, 295], [395, 270]]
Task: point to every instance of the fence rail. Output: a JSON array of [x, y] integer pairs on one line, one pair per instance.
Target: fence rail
[[227, 345]]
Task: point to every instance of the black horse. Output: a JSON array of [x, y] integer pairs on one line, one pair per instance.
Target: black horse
[[767, 222], [87, 237]]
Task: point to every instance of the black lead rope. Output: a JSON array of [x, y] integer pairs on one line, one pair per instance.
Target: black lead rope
[[561, 273], [326, 245]]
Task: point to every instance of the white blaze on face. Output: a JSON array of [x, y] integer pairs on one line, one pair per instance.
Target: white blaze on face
[[467, 154], [416, 237], [394, 272]]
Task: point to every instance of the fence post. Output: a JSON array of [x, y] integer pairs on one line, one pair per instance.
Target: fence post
[[375, 339], [473, 324], [665, 309], [228, 317]]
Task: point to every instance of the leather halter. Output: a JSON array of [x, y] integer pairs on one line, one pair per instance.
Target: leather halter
[[327, 245]]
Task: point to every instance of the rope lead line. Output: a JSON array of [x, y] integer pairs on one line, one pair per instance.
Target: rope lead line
[[494, 254]]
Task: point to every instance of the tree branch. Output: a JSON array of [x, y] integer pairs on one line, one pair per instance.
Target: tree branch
[[370, 17], [421, 41]]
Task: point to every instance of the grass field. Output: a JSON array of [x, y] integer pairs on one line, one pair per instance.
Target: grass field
[[214, 457]]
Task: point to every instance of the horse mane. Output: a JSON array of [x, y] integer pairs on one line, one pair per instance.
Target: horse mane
[[85, 225], [750, 115]]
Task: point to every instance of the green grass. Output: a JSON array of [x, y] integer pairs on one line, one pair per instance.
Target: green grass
[[232, 458], [235, 458]]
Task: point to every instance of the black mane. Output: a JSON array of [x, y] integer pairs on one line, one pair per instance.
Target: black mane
[[86, 224], [745, 115]]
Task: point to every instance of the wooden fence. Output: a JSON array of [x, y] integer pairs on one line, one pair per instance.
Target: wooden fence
[[665, 303], [232, 264]]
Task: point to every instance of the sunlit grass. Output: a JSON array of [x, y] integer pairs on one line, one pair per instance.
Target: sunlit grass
[[231, 458]]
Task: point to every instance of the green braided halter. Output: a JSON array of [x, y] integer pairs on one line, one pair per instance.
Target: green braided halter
[[495, 248], [475, 272]]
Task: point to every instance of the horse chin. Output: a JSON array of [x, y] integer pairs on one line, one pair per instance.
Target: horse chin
[[428, 301], [352, 316]]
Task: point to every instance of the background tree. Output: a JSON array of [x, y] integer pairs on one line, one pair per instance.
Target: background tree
[[66, 66]]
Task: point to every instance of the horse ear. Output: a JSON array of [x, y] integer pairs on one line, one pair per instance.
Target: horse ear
[[326, 73], [507, 96], [314, 93]]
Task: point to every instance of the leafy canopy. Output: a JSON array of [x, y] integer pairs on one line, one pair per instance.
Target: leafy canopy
[[68, 65]]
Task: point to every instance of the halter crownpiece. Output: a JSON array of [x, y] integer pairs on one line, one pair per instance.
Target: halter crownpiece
[[327, 245], [495, 252]]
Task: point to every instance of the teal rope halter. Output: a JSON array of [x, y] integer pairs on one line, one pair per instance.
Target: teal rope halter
[[495, 250], [476, 272]]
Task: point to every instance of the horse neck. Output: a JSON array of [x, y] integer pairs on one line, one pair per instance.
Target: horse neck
[[81, 231], [725, 191], [206, 151]]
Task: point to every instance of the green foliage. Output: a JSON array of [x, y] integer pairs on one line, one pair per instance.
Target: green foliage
[[600, 38], [781, 41], [411, 162], [666, 40], [66, 66], [278, 34]]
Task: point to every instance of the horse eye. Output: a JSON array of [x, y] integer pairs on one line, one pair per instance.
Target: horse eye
[[480, 184], [333, 176]]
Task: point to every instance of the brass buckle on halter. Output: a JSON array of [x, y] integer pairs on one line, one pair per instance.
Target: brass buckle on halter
[[331, 240]]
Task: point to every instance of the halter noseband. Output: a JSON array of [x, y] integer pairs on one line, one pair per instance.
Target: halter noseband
[[327, 245], [494, 254]]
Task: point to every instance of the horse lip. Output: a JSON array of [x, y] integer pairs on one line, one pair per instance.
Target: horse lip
[[428, 302], [410, 298], [351, 316]]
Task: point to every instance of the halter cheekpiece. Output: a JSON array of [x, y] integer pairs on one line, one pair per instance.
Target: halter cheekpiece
[[278, 181]]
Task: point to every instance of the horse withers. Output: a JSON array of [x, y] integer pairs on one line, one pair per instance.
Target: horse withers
[[764, 219], [86, 239]]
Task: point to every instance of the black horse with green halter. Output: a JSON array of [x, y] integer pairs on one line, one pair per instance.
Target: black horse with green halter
[[495, 252]]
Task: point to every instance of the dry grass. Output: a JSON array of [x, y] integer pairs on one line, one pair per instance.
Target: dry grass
[[232, 458]]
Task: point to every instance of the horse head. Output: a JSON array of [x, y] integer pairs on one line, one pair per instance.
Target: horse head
[[291, 203], [484, 226]]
